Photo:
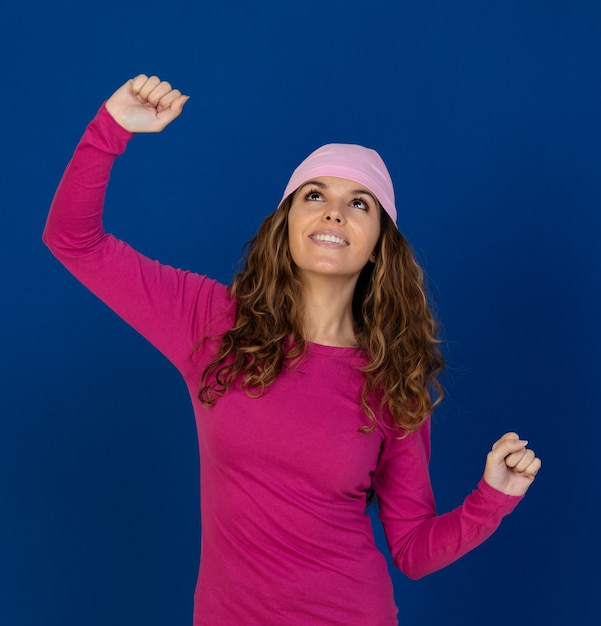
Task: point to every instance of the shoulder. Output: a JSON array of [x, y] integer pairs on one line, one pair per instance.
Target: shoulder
[[412, 445], [216, 298]]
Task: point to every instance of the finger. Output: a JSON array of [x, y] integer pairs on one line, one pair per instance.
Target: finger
[[519, 461], [510, 435], [528, 465], [138, 82], [166, 100], [147, 87], [506, 446], [160, 91], [168, 115], [533, 469]]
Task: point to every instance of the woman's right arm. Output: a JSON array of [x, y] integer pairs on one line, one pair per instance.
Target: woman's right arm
[[166, 305]]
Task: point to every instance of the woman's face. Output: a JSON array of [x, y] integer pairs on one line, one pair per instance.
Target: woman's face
[[333, 227]]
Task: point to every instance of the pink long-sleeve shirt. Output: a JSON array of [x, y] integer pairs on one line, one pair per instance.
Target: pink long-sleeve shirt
[[285, 536]]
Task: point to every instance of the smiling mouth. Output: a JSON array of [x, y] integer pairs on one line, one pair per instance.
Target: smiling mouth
[[330, 239]]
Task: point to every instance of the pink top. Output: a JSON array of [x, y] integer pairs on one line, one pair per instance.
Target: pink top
[[285, 536]]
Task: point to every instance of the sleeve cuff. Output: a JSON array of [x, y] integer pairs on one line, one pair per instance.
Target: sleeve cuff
[[504, 501], [107, 134]]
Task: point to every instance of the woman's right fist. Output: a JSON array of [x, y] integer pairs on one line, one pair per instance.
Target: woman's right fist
[[145, 105]]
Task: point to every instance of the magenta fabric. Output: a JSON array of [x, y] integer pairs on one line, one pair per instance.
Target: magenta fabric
[[285, 536], [350, 161]]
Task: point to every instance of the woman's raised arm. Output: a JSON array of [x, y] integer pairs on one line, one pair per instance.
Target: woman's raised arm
[[164, 304]]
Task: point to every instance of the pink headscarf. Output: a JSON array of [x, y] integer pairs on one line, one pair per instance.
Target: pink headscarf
[[350, 161]]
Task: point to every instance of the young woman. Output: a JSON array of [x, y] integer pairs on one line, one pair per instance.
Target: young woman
[[312, 377]]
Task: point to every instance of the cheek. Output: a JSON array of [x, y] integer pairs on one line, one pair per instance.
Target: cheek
[[373, 239]]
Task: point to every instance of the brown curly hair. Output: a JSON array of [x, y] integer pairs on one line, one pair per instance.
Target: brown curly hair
[[394, 325]]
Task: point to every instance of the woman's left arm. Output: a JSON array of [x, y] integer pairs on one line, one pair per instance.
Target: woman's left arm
[[422, 542]]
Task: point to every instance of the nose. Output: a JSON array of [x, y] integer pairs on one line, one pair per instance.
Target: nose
[[333, 215]]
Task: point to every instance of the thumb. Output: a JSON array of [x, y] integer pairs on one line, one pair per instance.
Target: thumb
[[506, 445], [172, 111]]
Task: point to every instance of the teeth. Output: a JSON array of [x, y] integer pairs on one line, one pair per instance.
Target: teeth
[[330, 239]]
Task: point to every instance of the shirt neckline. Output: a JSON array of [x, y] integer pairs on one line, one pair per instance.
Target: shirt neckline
[[320, 348]]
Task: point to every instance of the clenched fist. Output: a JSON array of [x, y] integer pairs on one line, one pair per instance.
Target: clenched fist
[[511, 466], [146, 105]]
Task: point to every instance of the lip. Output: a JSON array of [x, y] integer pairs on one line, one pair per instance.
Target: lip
[[326, 232]]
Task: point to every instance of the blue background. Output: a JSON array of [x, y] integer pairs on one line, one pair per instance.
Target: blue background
[[487, 114]]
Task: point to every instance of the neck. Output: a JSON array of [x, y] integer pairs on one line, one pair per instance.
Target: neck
[[328, 317]]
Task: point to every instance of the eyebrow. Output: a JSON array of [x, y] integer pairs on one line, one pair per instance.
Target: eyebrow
[[321, 185]]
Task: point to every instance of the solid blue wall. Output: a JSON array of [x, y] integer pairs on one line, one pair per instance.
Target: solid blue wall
[[487, 114]]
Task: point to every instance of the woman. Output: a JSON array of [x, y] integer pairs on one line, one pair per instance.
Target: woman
[[310, 381]]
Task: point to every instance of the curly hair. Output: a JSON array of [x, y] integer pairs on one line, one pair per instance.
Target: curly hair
[[394, 325]]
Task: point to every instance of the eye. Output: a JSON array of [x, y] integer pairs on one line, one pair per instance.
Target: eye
[[314, 196], [360, 203]]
